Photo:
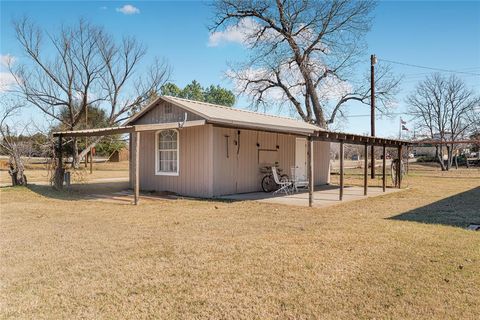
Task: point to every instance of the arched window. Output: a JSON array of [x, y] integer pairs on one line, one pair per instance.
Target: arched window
[[166, 152]]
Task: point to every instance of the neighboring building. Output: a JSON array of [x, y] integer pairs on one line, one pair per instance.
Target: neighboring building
[[120, 155], [425, 150], [220, 150]]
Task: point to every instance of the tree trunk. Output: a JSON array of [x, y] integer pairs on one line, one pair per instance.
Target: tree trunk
[[75, 156], [440, 157], [17, 171], [58, 178], [59, 170]]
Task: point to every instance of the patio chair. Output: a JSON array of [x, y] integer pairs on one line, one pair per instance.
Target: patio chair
[[299, 181], [284, 184]]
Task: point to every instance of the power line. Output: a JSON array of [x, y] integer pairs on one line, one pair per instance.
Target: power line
[[368, 115], [429, 68]]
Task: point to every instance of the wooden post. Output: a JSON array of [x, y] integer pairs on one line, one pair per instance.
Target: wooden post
[[311, 181], [137, 168], [448, 157], [384, 168], [341, 169], [365, 171], [399, 169], [408, 157], [91, 160]]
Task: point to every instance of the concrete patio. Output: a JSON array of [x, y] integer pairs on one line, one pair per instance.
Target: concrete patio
[[323, 196], [115, 190]]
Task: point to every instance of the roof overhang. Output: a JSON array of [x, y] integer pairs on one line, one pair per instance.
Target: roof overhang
[[439, 142], [128, 129], [94, 132], [358, 139]]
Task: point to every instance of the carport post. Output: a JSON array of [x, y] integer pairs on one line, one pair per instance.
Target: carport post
[[399, 167], [408, 157], [137, 168], [91, 160], [341, 170], [384, 168], [310, 170], [365, 171]]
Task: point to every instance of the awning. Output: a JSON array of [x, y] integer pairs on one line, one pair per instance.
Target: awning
[[351, 138], [128, 129]]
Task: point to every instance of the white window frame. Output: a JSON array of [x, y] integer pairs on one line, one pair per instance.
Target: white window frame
[[157, 151]]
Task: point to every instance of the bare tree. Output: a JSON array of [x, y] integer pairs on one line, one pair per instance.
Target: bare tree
[[442, 106], [9, 142], [303, 52], [80, 66], [474, 119]]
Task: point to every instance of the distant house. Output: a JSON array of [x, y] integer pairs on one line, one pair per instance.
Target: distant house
[[215, 150]]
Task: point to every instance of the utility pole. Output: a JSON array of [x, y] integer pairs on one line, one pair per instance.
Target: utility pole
[[373, 61], [86, 138]]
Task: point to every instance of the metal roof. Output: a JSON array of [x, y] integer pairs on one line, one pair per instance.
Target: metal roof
[[236, 118], [229, 116]]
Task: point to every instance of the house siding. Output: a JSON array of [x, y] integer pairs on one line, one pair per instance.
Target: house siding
[[240, 171], [195, 163]]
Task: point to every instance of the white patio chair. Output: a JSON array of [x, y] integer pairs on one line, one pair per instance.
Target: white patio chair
[[284, 184], [299, 181]]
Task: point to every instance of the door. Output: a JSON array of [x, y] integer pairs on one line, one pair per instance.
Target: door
[[300, 158]]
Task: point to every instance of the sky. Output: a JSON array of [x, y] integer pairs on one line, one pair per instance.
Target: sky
[[436, 34]]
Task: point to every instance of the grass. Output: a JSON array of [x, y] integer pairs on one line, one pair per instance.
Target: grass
[[38, 173], [402, 255]]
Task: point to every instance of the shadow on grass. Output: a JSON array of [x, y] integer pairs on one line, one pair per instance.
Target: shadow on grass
[[78, 191], [459, 210]]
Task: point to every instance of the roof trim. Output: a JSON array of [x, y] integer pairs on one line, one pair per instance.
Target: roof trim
[[128, 129], [254, 126], [94, 132], [168, 125]]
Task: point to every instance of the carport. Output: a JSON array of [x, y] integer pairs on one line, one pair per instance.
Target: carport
[[366, 141]]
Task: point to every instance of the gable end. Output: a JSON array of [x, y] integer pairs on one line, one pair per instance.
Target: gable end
[[165, 112]]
